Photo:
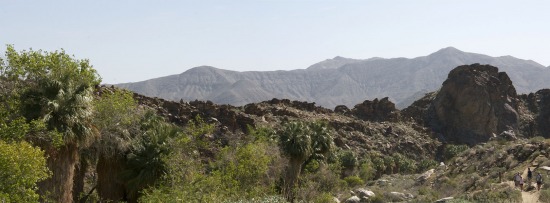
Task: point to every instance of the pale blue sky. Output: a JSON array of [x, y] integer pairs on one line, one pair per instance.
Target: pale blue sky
[[130, 41]]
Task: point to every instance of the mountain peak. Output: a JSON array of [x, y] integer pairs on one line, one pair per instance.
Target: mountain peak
[[339, 58], [447, 51], [333, 63]]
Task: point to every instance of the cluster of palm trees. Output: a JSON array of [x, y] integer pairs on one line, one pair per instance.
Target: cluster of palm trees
[[81, 129]]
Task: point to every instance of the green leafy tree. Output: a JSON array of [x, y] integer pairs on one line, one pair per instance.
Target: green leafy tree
[[302, 142], [58, 91], [21, 166]]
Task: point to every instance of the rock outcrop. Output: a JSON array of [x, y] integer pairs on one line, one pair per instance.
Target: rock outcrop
[[537, 121], [376, 110], [475, 103]]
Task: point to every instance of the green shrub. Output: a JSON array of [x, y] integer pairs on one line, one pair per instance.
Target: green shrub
[[348, 160], [366, 171], [404, 164], [427, 194], [453, 150], [325, 180], [21, 167], [425, 165], [324, 198], [354, 181], [377, 199], [378, 165]]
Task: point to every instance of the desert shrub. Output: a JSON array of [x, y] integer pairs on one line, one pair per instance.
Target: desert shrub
[[366, 171], [237, 174], [261, 133], [389, 162], [378, 165], [348, 160], [536, 140], [324, 198], [446, 186], [377, 199], [404, 164], [510, 162], [506, 195], [354, 181], [266, 199], [545, 195], [243, 169], [425, 165], [427, 194], [325, 180], [452, 151]]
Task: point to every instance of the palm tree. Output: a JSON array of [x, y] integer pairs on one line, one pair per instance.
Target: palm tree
[[58, 92], [145, 160], [301, 142], [117, 117]]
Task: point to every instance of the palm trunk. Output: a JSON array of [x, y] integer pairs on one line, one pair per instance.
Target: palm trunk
[[61, 162], [293, 172], [109, 186], [80, 175]]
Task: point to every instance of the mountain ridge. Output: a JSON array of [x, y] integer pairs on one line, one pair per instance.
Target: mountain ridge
[[337, 81]]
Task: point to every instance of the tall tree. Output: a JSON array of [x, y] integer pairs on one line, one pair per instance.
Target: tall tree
[[58, 91], [117, 117], [302, 142]]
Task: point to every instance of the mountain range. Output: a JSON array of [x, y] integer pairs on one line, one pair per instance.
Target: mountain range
[[337, 81]]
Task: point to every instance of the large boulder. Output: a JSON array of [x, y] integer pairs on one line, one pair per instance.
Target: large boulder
[[364, 193], [475, 103], [353, 199], [425, 176], [376, 110]]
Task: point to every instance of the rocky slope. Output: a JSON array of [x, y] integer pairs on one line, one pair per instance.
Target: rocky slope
[[362, 129], [338, 81], [477, 105]]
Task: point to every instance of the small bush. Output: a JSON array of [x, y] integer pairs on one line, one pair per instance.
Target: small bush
[[354, 181], [324, 198], [404, 164], [453, 150], [366, 171], [425, 165], [348, 160]]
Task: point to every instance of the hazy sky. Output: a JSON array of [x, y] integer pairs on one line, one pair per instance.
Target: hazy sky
[[130, 41]]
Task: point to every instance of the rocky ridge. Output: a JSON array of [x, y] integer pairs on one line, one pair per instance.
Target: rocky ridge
[[477, 105]]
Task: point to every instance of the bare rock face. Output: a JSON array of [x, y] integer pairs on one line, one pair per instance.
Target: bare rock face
[[538, 104], [475, 103], [376, 110]]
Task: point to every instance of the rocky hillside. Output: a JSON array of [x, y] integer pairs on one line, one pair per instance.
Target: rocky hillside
[[476, 103], [338, 81], [476, 124]]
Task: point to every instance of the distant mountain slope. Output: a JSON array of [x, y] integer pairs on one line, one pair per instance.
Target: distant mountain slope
[[337, 81]]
